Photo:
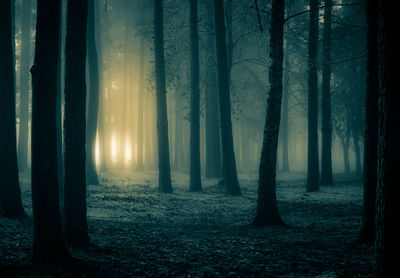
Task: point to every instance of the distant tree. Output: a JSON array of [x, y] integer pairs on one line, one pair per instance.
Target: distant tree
[[313, 164], [371, 126], [267, 207], [10, 193], [228, 154], [387, 228], [326, 153], [48, 242], [164, 175], [195, 172], [76, 231], [24, 85], [93, 105]]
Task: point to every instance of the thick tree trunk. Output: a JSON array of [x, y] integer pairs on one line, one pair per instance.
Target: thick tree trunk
[[367, 233], [195, 171], [76, 232], [326, 155], [387, 228], [228, 154], [10, 193], [313, 164], [24, 86], [267, 207], [164, 175], [93, 107], [48, 242], [212, 138]]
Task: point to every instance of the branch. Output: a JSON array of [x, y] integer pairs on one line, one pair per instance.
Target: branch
[[258, 16]]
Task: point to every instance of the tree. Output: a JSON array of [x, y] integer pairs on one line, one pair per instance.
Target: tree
[[326, 155], [228, 154], [93, 105], [387, 230], [164, 175], [195, 173], [48, 242], [212, 139], [10, 193], [267, 207], [313, 167], [24, 86], [371, 126], [76, 232]]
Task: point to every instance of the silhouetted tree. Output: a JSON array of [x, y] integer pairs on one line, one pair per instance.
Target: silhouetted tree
[[93, 105], [164, 175], [387, 228], [10, 193], [48, 242], [76, 232], [267, 207], [326, 152], [195, 172], [371, 126], [228, 154], [313, 164]]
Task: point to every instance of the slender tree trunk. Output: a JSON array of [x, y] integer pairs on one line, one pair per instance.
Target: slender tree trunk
[[48, 242], [285, 114], [387, 228], [367, 234], [195, 171], [228, 154], [24, 86], [93, 107], [10, 193], [267, 207], [313, 164], [140, 131], [164, 175], [178, 150], [326, 156], [213, 139], [346, 160], [76, 232]]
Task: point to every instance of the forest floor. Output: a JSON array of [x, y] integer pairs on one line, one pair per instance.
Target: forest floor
[[137, 232]]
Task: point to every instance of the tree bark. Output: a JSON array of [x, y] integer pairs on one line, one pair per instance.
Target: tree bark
[[93, 107], [267, 207], [164, 175], [48, 242], [76, 232], [326, 156], [387, 228], [313, 164], [367, 233], [24, 86], [10, 193], [195, 171], [228, 154]]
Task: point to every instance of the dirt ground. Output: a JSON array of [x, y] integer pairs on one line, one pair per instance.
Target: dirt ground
[[137, 232]]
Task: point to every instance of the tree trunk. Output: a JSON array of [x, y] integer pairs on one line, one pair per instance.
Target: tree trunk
[[76, 232], [164, 175], [195, 171], [267, 207], [48, 243], [213, 143], [387, 228], [24, 86], [93, 107], [367, 233], [140, 149], [228, 154], [285, 114], [313, 164], [10, 193], [326, 156]]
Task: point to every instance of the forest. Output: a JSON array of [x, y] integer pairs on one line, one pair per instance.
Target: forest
[[199, 138]]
